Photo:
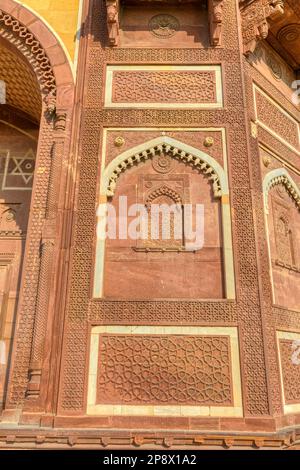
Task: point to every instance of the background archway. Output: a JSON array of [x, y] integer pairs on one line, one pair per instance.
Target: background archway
[[39, 107]]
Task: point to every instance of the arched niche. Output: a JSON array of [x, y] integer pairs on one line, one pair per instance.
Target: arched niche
[[194, 171], [282, 213]]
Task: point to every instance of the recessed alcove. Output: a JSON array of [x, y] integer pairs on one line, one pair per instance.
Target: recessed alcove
[[164, 24]]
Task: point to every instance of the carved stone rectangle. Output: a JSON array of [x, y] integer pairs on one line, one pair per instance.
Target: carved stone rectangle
[[164, 369], [276, 120], [167, 86], [290, 370]]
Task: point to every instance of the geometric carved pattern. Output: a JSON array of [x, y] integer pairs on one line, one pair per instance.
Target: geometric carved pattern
[[164, 87], [249, 311], [19, 171], [165, 149], [276, 120], [290, 372], [169, 369]]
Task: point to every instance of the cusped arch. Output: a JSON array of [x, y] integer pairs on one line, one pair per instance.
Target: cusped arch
[[163, 191], [42, 49], [204, 163], [280, 176]]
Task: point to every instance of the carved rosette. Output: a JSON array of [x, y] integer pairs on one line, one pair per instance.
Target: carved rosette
[[255, 20]]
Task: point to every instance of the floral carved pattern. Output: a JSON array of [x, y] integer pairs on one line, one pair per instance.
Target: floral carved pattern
[[164, 87], [164, 369]]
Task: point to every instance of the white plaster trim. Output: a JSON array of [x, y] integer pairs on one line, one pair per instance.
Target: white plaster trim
[[272, 178], [163, 140]]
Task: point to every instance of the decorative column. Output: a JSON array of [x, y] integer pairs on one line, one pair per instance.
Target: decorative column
[[40, 324]]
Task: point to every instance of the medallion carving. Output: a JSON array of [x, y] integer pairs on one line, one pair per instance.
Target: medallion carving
[[162, 163], [163, 26]]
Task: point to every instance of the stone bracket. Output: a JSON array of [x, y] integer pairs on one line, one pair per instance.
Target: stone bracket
[[112, 12], [256, 15], [215, 11]]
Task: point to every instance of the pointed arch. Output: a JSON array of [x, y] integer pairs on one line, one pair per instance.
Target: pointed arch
[[33, 38], [42, 50], [273, 178], [176, 149], [280, 176]]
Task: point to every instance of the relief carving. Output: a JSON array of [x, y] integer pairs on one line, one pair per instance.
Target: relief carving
[[255, 20], [140, 86], [112, 9], [172, 152], [215, 21], [163, 26], [284, 238], [290, 373], [164, 370]]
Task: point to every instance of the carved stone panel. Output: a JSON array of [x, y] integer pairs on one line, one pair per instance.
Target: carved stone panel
[[145, 369], [143, 86]]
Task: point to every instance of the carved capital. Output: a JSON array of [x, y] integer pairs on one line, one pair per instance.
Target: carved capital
[[215, 21], [256, 15], [112, 11]]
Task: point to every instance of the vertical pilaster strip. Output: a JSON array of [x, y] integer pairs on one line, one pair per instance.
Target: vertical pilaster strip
[[47, 254]]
